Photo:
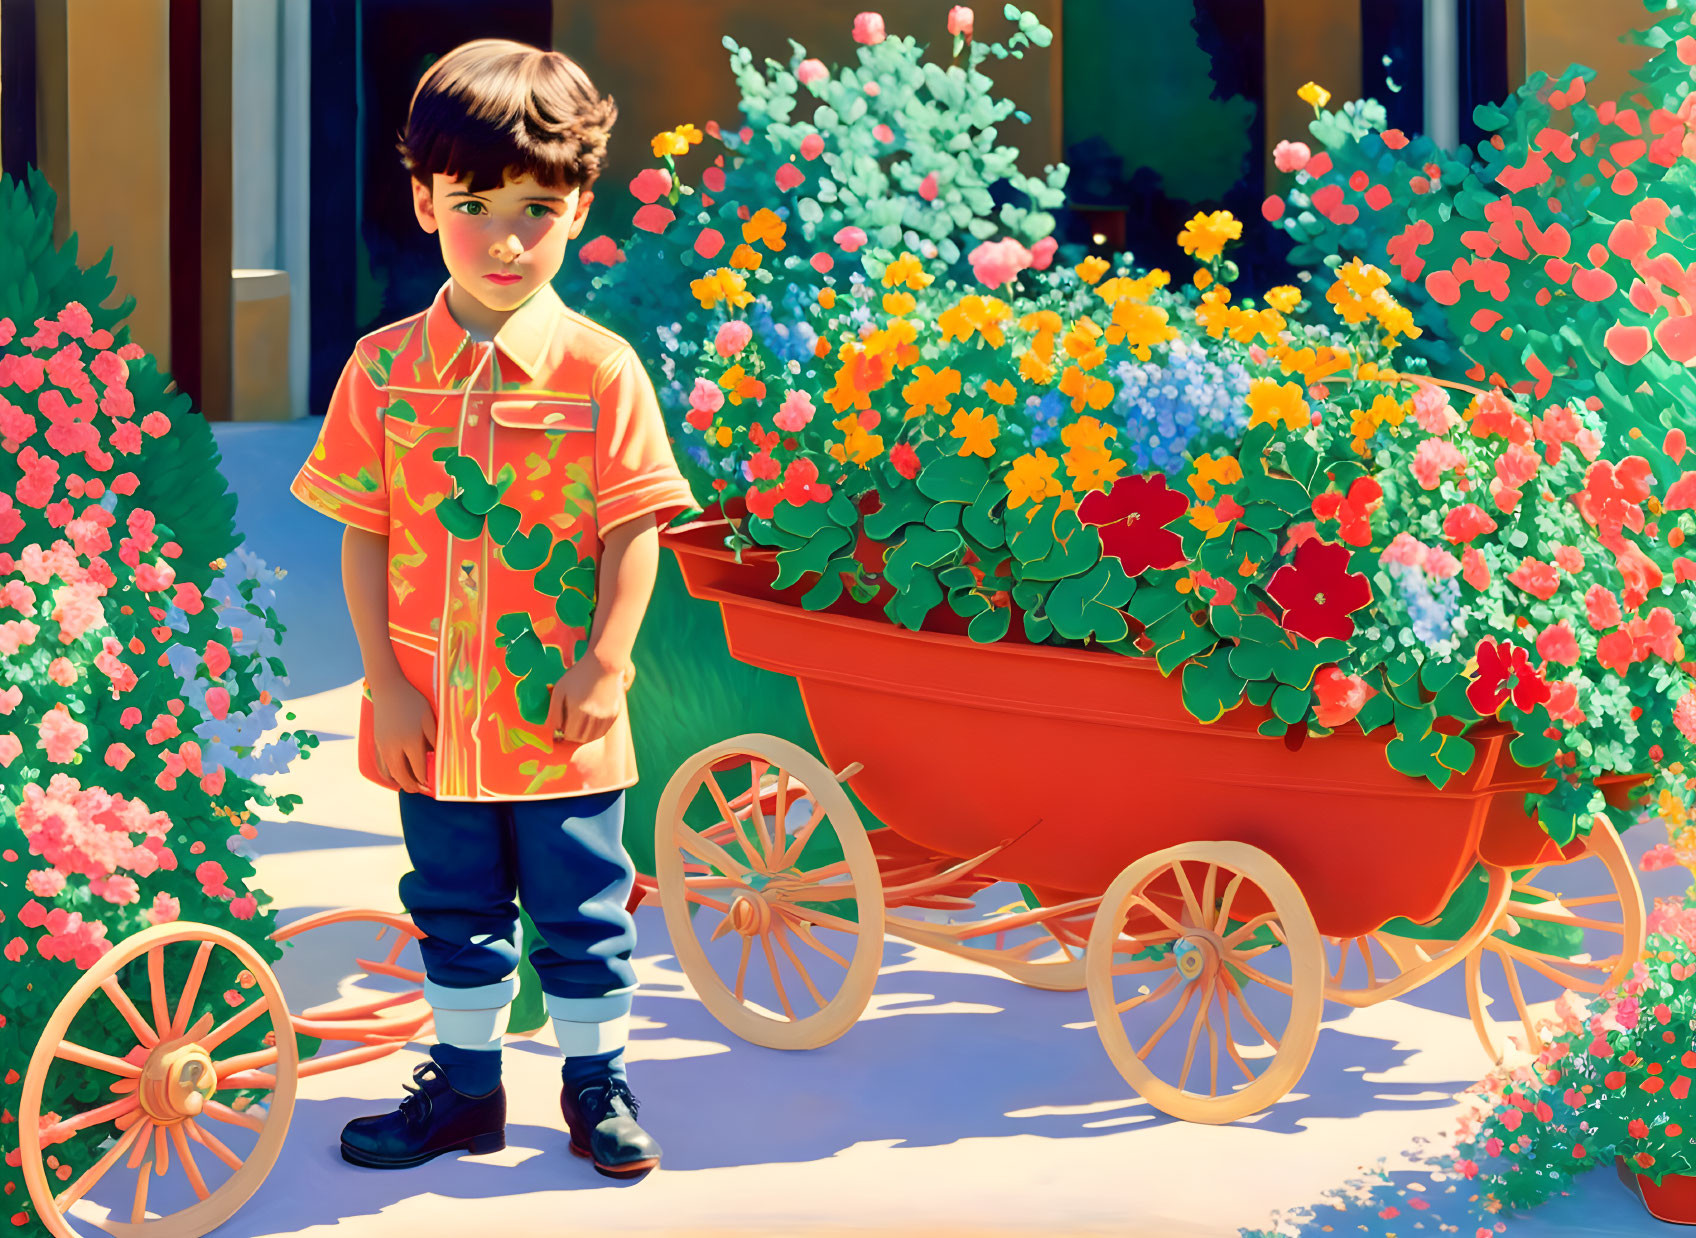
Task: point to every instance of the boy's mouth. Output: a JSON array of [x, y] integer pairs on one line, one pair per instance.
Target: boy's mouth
[[503, 277]]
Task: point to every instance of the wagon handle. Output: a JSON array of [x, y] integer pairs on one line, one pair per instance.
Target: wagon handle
[[848, 771]]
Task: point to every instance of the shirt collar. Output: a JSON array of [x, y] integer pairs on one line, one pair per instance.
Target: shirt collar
[[524, 338]]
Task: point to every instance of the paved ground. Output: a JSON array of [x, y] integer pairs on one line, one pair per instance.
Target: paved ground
[[961, 1103]]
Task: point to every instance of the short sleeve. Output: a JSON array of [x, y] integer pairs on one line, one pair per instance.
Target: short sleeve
[[343, 478], [635, 470]]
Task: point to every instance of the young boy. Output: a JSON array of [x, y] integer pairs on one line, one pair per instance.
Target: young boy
[[503, 143]]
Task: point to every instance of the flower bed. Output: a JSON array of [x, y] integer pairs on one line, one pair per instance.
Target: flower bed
[[138, 670], [1328, 530]]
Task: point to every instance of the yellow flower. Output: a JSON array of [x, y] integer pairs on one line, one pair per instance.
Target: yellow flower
[[1315, 94], [896, 304], [1202, 278], [906, 270], [1384, 410], [765, 226], [1215, 312], [1002, 392], [671, 142], [1209, 472], [1139, 327], [977, 431], [722, 285], [974, 313], [1092, 269], [1092, 470], [689, 134], [1271, 402], [1087, 434], [1284, 298], [930, 390], [1096, 392], [1313, 364], [857, 445], [896, 340], [1140, 289], [1032, 479], [1080, 344], [745, 258], [1207, 520], [1206, 236]]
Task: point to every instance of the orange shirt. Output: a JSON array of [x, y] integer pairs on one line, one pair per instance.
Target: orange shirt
[[559, 415]]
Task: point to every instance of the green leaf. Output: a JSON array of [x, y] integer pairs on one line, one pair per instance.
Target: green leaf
[[1187, 639], [913, 601], [1379, 710], [902, 506], [1151, 603], [991, 625], [808, 520], [457, 521], [954, 479], [1088, 605], [980, 522], [1211, 688], [1534, 749], [503, 523], [1074, 548], [922, 547], [830, 583], [812, 555], [1290, 704], [529, 551]]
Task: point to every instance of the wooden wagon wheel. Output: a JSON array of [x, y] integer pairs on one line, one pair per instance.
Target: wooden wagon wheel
[[165, 1088], [1585, 940], [1194, 948], [765, 880]]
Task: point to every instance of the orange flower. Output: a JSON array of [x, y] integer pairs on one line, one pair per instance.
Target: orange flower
[[974, 313], [1033, 369], [745, 258], [906, 270], [1002, 392], [1091, 269], [896, 304], [765, 227], [930, 390], [1080, 344], [1271, 402], [1096, 392]]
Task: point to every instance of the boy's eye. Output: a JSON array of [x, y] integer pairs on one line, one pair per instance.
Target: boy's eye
[[538, 210], [469, 208]]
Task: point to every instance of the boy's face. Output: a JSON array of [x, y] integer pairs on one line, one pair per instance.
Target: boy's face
[[501, 244]]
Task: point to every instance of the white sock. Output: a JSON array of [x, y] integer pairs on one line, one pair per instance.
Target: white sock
[[472, 1029], [586, 1039]]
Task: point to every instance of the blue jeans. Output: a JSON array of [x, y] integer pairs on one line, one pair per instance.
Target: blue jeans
[[564, 858]]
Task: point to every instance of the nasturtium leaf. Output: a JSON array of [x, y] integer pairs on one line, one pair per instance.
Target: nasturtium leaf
[[1211, 688], [954, 479], [830, 584], [1290, 704], [902, 506], [812, 555], [922, 547], [807, 520], [991, 625], [1379, 710], [503, 523], [1088, 605], [1272, 728], [457, 521], [980, 522], [1153, 602], [1259, 691], [1188, 640], [916, 599], [1534, 749], [528, 551], [1076, 547], [944, 516]]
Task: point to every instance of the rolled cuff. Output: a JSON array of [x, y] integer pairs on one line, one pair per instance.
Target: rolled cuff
[[590, 1009], [482, 997], [664, 493], [338, 505]]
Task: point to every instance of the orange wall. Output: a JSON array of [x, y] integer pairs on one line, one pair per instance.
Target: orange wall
[[692, 68], [1587, 32]]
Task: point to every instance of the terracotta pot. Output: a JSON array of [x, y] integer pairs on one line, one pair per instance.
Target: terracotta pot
[[1673, 1200]]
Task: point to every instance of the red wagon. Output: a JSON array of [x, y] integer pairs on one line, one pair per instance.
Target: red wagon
[[1194, 878]]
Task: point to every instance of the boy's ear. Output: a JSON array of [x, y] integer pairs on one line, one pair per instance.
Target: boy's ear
[[584, 198], [424, 205]]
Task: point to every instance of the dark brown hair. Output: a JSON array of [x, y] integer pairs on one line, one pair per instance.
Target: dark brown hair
[[493, 106]]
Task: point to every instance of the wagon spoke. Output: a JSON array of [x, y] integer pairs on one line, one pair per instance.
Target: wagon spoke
[[1590, 900], [1190, 902], [1131, 1003], [62, 1130], [794, 959], [161, 1151], [780, 821], [73, 1052], [1225, 902], [1520, 1007], [776, 976], [1560, 917], [742, 967], [1207, 891], [230, 1026], [1141, 967], [821, 918], [793, 852], [138, 1213], [191, 988], [98, 1170], [804, 931], [1248, 1013], [1343, 944], [1177, 1013], [187, 1159], [139, 1150], [212, 1143], [1195, 1038], [223, 1113], [1222, 993], [1250, 927], [1178, 930], [1260, 978], [698, 844], [704, 901], [728, 814], [1542, 967], [1365, 944], [145, 1035], [246, 1061], [156, 983], [768, 849], [724, 925]]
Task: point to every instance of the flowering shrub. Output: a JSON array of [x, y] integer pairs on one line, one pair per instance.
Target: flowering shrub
[[1549, 255], [138, 670], [1613, 1081]]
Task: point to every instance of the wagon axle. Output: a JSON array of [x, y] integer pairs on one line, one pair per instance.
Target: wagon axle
[[176, 1082]]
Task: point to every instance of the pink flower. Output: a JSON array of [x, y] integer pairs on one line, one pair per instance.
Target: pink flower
[[16, 634], [45, 882], [73, 939], [810, 71], [822, 263], [651, 184], [119, 755], [927, 188], [733, 337], [1474, 570], [812, 146], [10, 698], [1291, 156], [706, 397], [61, 735], [129, 717], [1042, 253], [156, 425], [11, 748], [1684, 715], [1404, 550], [960, 20], [654, 218], [788, 177], [218, 703], [850, 238], [164, 910], [883, 133], [16, 949], [1557, 643], [997, 262], [868, 28], [796, 412], [1434, 457], [245, 907], [61, 672], [120, 890], [211, 876], [217, 659], [603, 251], [1660, 856]]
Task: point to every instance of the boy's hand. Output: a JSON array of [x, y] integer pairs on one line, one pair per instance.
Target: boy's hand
[[588, 699], [404, 729]]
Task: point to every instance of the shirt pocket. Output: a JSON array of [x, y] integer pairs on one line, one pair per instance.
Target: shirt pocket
[[555, 414]]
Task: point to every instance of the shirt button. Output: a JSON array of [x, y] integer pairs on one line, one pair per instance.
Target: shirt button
[[471, 420]]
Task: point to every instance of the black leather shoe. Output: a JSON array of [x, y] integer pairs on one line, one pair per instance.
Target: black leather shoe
[[433, 1119], [601, 1117]]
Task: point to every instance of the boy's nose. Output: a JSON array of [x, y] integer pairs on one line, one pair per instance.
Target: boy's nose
[[508, 249]]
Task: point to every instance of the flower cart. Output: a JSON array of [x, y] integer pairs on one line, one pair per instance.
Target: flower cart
[[1234, 882], [162, 1100]]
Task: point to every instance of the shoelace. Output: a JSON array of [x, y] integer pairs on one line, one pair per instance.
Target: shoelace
[[417, 1106], [607, 1091]]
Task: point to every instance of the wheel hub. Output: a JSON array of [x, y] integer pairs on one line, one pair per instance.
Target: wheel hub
[[1194, 956], [750, 914], [175, 1082]]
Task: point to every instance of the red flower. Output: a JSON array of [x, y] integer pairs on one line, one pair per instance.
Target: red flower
[[1617, 651], [1467, 522], [763, 502], [1612, 495], [1473, 569], [1352, 513], [1318, 592], [1658, 634], [1602, 608], [801, 484], [1638, 1129], [1536, 578], [905, 460], [1341, 696], [1132, 517], [1504, 671], [1558, 644]]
